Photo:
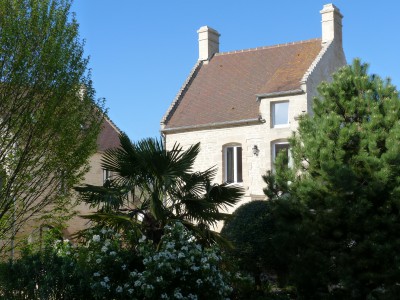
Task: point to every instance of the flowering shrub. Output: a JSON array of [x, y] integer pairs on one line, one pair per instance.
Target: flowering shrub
[[103, 267], [108, 261], [179, 269]]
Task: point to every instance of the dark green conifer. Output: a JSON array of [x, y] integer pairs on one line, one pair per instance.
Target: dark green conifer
[[340, 211]]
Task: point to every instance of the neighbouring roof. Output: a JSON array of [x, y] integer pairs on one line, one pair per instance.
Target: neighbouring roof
[[109, 136], [225, 88]]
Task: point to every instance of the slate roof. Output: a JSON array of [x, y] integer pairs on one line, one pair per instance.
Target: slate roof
[[225, 88], [109, 136]]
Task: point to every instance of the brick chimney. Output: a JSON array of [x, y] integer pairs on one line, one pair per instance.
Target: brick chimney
[[331, 24], [208, 42]]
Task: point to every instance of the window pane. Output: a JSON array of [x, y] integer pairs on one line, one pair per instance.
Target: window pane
[[239, 164], [229, 165], [281, 113]]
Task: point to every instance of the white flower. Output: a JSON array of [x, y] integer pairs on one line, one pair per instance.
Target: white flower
[[133, 274], [103, 231], [170, 245], [123, 267], [106, 279], [119, 289], [178, 295], [199, 281], [164, 296], [181, 255], [97, 274], [107, 243], [113, 253], [96, 238], [159, 279], [104, 249], [130, 291], [98, 261], [138, 283], [103, 284], [352, 243], [142, 239]]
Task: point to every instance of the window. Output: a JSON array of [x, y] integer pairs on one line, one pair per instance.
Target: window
[[106, 175], [233, 164], [280, 114], [281, 147]]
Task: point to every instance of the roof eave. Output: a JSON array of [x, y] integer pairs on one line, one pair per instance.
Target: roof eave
[[244, 122], [279, 94]]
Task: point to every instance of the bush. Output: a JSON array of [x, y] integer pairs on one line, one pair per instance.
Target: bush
[[50, 274], [180, 269], [252, 233], [102, 266]]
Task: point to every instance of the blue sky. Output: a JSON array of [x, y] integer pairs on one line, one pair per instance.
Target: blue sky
[[142, 51]]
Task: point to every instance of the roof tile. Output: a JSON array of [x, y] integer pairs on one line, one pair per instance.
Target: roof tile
[[225, 88]]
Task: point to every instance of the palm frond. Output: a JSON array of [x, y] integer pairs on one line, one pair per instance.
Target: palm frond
[[106, 198], [117, 221]]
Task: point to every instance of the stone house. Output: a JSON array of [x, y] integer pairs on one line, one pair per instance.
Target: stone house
[[243, 105], [107, 139]]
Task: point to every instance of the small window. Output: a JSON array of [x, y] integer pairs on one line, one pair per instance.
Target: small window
[[281, 147], [280, 114], [233, 164], [107, 175]]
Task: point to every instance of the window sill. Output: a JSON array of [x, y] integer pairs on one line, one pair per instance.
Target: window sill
[[281, 126], [234, 183]]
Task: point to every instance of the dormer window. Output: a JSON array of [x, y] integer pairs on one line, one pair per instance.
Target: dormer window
[[280, 114], [233, 164]]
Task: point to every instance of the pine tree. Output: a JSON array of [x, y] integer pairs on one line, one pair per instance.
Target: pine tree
[[340, 211]]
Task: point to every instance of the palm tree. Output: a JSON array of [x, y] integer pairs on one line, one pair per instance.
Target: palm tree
[[153, 186]]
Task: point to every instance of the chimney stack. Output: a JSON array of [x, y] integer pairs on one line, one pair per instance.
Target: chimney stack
[[331, 24], [208, 42]]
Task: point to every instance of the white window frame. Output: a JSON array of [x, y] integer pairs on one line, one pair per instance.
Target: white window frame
[[280, 142], [273, 114], [235, 163]]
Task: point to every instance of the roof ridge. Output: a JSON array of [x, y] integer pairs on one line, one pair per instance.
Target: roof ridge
[[108, 119], [268, 47], [317, 59]]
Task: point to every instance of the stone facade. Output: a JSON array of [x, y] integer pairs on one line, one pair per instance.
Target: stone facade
[[256, 136]]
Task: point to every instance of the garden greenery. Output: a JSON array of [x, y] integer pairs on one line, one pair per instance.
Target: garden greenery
[[103, 267]]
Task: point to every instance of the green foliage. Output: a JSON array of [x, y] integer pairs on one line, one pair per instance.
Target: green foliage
[[340, 213], [250, 230], [153, 186], [51, 273], [104, 266], [49, 120], [180, 268]]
